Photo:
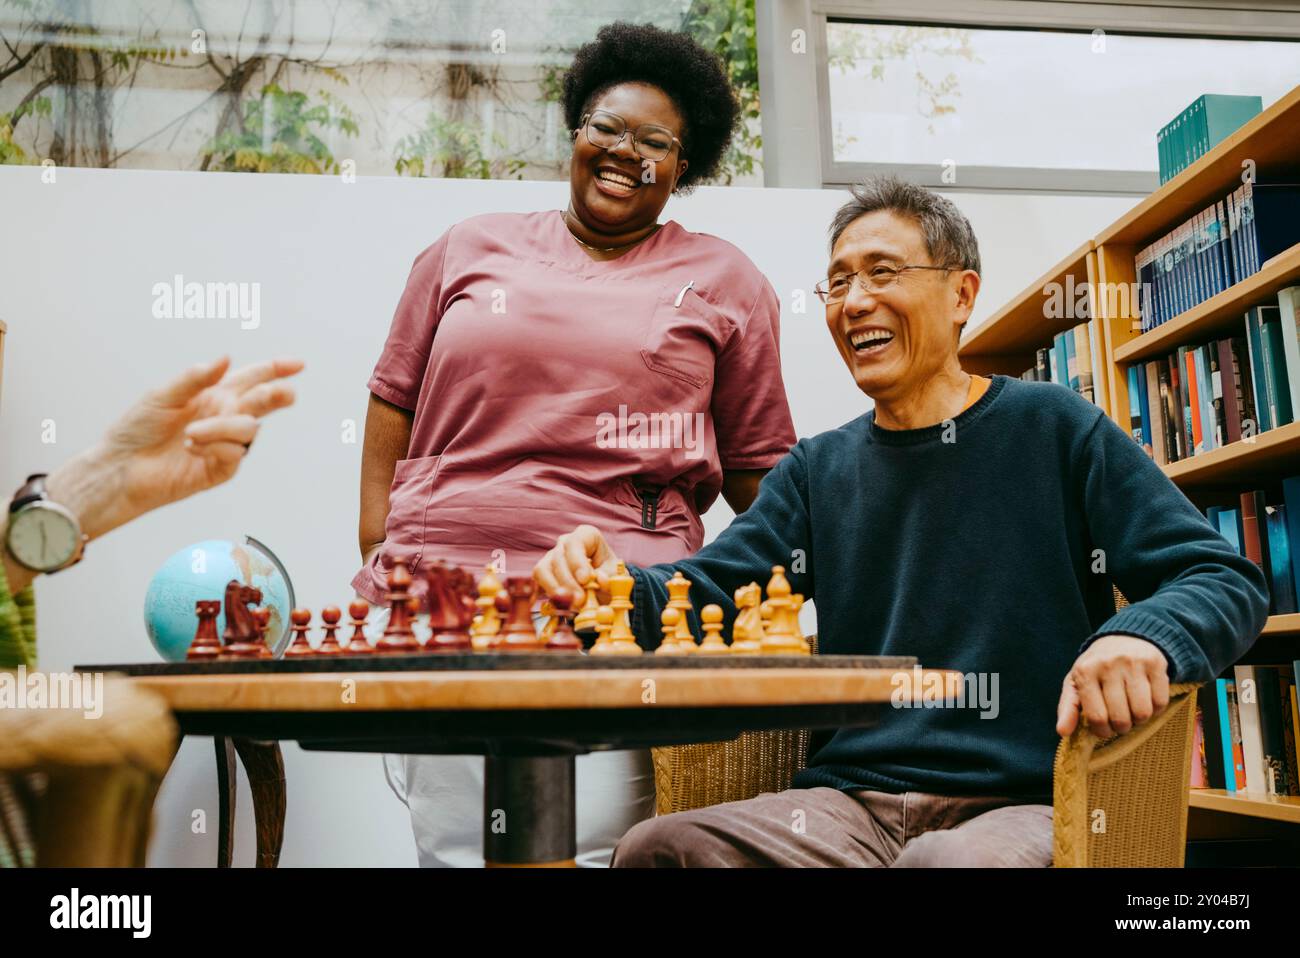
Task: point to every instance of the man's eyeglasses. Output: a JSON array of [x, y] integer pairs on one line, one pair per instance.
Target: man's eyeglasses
[[877, 279], [606, 130]]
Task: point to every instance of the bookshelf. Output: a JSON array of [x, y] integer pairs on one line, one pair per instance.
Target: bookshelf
[[1007, 340]]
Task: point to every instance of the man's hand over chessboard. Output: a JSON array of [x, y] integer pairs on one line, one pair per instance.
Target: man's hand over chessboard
[[575, 558]]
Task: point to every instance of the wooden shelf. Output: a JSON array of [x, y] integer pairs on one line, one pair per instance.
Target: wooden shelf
[[1019, 328], [1222, 314], [1241, 461], [1007, 340], [1278, 809], [1269, 140], [1287, 625]]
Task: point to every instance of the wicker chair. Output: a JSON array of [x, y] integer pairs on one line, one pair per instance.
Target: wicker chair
[[1119, 802], [96, 779]]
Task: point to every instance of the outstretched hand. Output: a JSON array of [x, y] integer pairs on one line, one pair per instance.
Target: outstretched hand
[[192, 433]]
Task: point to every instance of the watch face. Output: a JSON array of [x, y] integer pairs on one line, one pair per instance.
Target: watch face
[[42, 539]]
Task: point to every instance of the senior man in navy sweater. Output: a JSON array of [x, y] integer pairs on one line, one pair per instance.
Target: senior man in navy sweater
[[974, 523]]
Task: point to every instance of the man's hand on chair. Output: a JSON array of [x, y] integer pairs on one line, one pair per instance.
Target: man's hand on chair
[[1120, 681]]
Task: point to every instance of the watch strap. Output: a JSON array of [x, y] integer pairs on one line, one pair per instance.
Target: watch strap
[[32, 490]]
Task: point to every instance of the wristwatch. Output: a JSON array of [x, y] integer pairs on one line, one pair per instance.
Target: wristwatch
[[42, 535]]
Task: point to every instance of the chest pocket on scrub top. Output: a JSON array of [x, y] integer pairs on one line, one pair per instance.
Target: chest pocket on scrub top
[[685, 334]]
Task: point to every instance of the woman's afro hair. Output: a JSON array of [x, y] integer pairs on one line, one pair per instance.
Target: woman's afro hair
[[692, 77]]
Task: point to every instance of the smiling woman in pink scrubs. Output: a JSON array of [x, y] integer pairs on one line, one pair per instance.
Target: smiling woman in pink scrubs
[[590, 365]]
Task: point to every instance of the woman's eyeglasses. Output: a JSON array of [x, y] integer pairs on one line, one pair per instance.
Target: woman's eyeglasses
[[606, 130], [877, 280]]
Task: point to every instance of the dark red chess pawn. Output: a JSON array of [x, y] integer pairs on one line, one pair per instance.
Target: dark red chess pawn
[[301, 619], [358, 644], [450, 630], [262, 620], [329, 645], [241, 638], [563, 639], [398, 636], [207, 644], [518, 634]]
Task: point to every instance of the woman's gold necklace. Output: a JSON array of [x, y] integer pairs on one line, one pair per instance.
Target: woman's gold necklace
[[607, 249]]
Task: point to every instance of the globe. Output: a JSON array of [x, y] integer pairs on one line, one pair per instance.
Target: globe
[[201, 571]]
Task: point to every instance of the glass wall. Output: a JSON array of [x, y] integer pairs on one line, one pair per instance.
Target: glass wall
[[924, 95], [450, 88]]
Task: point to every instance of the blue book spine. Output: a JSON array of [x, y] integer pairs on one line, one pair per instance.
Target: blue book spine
[[1136, 426], [1202, 235], [1279, 554], [1225, 735], [1212, 513], [1275, 357], [1258, 378], [1225, 251], [1291, 498], [1234, 231], [1248, 228], [1230, 528], [1144, 403]]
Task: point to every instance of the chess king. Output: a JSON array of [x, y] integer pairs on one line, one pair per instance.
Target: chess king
[[959, 521], [518, 337]]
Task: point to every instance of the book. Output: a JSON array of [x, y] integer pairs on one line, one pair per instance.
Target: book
[[1234, 760], [1255, 347], [1258, 777], [1280, 580], [1207, 700], [1153, 414], [1184, 402], [1275, 364], [1136, 426], [1245, 386], [1288, 304], [1229, 392], [1291, 759], [1274, 761], [1230, 528], [1083, 361], [1218, 413], [1291, 501]]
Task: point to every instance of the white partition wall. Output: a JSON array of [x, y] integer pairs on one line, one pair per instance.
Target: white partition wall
[[77, 290]]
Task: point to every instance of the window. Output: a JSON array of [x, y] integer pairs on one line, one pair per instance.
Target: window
[[970, 106], [457, 88]]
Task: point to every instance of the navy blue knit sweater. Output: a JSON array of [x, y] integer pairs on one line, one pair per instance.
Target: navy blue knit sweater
[[972, 546]]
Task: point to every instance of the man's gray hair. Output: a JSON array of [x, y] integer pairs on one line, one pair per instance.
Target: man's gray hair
[[949, 239]]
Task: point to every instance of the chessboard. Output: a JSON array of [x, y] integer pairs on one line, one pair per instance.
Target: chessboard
[[456, 622]]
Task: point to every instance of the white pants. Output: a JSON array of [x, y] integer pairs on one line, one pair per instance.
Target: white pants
[[444, 794]]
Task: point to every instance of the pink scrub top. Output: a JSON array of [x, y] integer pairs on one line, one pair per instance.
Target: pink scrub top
[[550, 389]]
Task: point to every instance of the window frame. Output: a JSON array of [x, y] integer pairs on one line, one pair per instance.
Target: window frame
[[1223, 20]]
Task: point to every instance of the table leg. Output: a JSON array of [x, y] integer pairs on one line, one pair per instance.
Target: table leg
[[529, 811], [264, 764], [226, 782]]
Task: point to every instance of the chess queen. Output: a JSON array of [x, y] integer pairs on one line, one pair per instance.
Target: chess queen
[[519, 334]]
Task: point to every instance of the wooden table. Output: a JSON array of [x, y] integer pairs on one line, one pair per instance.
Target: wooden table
[[529, 714]]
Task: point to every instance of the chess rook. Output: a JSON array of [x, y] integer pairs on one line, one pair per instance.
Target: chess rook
[[207, 644]]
